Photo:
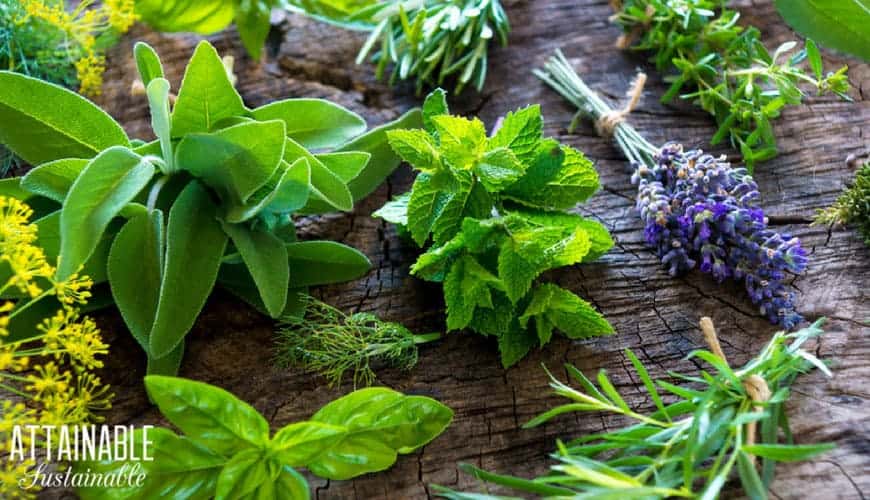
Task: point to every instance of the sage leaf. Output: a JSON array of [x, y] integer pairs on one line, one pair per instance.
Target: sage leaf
[[206, 95], [838, 25], [266, 259], [326, 185], [48, 239], [314, 123], [208, 415], [199, 16], [286, 191], [236, 279], [180, 468], [54, 179], [135, 266], [35, 121], [345, 165], [381, 423], [242, 475], [158, 100], [195, 244], [235, 161], [147, 63], [324, 262], [109, 181], [300, 443]]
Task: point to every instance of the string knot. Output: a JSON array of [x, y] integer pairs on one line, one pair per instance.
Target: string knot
[[606, 124]]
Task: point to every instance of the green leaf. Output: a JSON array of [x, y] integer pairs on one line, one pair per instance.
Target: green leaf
[[814, 58], [647, 381], [54, 179], [513, 346], [109, 181], [434, 105], [521, 131], [599, 238], [395, 211], [35, 121], [180, 468], [158, 101], [424, 207], [135, 266], [252, 23], [838, 25], [467, 287], [326, 185], [167, 365], [324, 262], [555, 307], [345, 165], [235, 161], [285, 192], [380, 424], [348, 14], [787, 452], [49, 240], [556, 180], [499, 168], [199, 16], [462, 140], [266, 259], [236, 279], [289, 483], [147, 62], [752, 485], [242, 475], [298, 444], [208, 415], [314, 123], [515, 271], [206, 95], [415, 147], [195, 244], [466, 199], [383, 160]]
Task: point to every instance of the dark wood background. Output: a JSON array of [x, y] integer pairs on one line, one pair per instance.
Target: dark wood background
[[656, 315]]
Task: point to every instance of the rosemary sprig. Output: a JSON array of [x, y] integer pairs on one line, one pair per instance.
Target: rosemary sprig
[[688, 448], [853, 206], [724, 67], [327, 341]]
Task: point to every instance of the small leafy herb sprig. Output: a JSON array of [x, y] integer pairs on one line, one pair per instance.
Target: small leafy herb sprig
[[724, 67], [430, 41], [698, 210], [330, 342], [225, 179], [493, 213], [226, 452], [690, 448], [853, 206]]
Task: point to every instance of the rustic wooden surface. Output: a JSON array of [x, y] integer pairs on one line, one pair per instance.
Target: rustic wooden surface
[[654, 314]]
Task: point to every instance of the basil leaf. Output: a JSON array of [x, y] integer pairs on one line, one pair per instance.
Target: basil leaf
[[195, 244], [837, 25], [180, 469], [314, 123], [109, 181], [380, 424], [290, 483], [54, 179], [158, 100], [147, 62], [208, 415], [35, 121], [199, 16], [242, 475], [235, 161], [266, 259], [135, 266], [252, 23], [324, 262], [298, 444], [206, 95], [383, 160]]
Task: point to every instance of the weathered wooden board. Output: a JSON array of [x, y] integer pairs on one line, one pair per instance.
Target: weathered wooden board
[[655, 315]]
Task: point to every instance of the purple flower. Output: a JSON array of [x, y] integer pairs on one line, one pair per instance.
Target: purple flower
[[699, 210]]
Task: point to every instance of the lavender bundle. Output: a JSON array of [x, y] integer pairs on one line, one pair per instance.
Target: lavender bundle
[[699, 211]]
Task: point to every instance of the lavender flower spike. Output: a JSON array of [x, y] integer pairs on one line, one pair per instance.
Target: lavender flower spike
[[698, 210]]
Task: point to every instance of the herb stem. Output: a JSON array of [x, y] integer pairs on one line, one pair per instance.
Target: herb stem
[[155, 191], [424, 338]]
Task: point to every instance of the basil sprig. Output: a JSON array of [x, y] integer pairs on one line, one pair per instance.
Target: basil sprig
[[209, 202], [226, 452]]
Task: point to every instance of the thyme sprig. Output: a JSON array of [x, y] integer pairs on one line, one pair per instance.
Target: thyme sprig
[[688, 448], [327, 341], [853, 206], [724, 67]]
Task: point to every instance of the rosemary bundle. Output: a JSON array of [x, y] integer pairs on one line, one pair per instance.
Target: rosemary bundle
[[698, 210], [718, 424], [329, 342]]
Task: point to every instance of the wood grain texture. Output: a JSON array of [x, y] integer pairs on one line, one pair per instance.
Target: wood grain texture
[[654, 314]]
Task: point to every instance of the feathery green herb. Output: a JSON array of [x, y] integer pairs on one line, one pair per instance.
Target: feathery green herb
[[725, 68], [686, 449], [226, 452], [327, 341], [492, 212], [430, 41], [853, 206], [210, 202]]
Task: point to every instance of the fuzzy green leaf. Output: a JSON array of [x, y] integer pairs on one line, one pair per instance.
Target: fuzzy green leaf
[[324, 262], [54, 179], [314, 123], [266, 259], [199, 16], [147, 63]]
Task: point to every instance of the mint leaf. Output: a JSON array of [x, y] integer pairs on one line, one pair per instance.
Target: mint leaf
[[515, 271], [424, 207], [521, 131], [554, 307], [513, 345], [466, 288], [499, 168], [433, 265], [462, 141], [415, 147], [557, 180], [395, 211], [434, 105]]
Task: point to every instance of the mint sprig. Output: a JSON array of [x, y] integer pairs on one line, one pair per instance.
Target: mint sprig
[[492, 213]]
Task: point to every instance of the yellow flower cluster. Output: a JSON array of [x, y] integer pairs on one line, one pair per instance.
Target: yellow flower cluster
[[81, 27], [45, 378]]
